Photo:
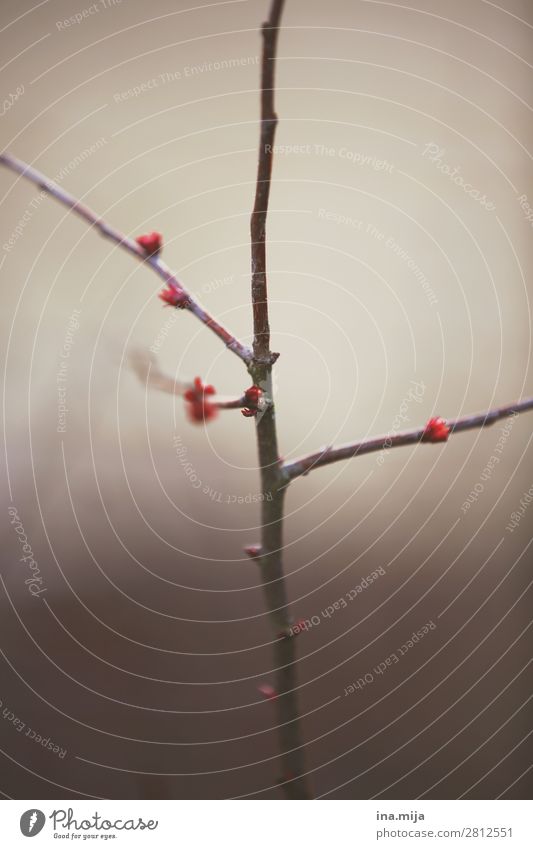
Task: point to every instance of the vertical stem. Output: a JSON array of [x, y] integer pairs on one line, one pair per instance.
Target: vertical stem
[[273, 484], [273, 477]]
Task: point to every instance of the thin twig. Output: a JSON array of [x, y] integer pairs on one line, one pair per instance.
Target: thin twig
[[186, 300], [269, 121], [306, 464]]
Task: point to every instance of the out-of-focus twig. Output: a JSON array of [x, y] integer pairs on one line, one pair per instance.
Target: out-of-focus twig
[[269, 121]]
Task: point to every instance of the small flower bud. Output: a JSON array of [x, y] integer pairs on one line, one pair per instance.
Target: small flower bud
[[436, 430], [151, 243], [199, 408], [251, 396], [171, 296]]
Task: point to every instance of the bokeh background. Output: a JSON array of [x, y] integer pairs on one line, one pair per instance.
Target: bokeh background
[[400, 277]]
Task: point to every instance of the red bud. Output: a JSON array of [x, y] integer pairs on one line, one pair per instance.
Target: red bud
[[151, 243]]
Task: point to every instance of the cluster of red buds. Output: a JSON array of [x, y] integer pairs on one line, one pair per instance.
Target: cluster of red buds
[[199, 407], [251, 397], [151, 243], [436, 430]]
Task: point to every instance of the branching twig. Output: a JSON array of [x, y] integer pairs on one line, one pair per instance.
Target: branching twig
[[304, 465], [161, 268]]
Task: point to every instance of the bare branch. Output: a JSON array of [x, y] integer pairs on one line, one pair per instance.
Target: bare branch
[[269, 121], [185, 300], [328, 455]]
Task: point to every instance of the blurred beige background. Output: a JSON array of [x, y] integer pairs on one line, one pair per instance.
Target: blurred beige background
[[400, 256]]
